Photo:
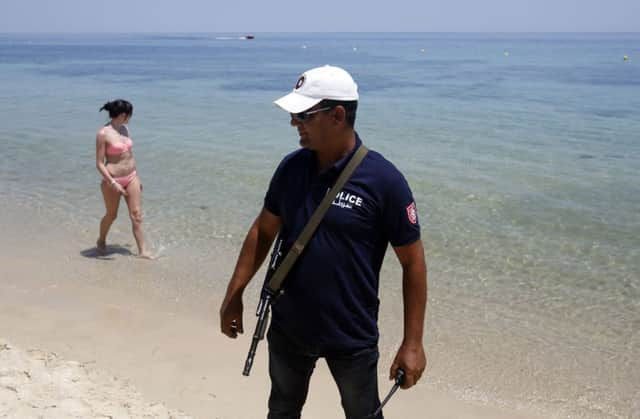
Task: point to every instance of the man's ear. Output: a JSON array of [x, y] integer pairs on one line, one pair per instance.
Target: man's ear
[[340, 114]]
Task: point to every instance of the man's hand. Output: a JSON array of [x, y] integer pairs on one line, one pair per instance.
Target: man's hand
[[412, 359], [254, 250], [231, 316]]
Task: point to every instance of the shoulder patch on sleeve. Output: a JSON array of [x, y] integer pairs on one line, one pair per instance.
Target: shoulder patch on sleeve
[[412, 213]]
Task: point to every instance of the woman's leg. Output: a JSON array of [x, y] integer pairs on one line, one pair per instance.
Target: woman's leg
[[134, 201], [111, 203]]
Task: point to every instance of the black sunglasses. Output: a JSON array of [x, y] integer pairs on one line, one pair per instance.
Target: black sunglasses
[[305, 116]]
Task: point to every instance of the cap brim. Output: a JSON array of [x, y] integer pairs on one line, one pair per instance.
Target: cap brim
[[296, 103]]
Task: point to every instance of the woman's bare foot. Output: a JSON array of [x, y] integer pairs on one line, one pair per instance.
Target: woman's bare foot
[[101, 247], [146, 255]]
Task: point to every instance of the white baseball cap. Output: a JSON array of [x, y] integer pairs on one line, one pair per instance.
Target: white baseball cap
[[319, 83]]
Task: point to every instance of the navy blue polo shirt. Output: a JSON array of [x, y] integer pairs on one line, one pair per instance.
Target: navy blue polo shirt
[[330, 295]]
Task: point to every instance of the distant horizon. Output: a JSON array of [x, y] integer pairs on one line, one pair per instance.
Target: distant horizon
[[311, 32]]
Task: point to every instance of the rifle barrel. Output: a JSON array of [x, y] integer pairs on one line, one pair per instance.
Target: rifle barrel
[[258, 334]]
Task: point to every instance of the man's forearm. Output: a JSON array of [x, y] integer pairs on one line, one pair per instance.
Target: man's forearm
[[254, 250], [414, 292]]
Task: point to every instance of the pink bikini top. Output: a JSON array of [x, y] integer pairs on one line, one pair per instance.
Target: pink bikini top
[[119, 148]]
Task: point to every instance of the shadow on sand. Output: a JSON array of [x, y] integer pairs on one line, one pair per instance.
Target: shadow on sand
[[106, 254]]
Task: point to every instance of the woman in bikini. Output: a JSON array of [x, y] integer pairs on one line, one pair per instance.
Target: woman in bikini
[[115, 162]]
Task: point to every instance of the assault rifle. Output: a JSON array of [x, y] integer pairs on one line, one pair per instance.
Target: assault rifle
[[264, 308]]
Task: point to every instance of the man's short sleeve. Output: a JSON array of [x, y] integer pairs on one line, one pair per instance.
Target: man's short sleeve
[[272, 198], [400, 213]]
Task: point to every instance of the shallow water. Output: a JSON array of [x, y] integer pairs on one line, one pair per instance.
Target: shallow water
[[522, 152]]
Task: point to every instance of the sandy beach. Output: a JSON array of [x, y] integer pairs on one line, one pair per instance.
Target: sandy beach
[[37, 384], [87, 337]]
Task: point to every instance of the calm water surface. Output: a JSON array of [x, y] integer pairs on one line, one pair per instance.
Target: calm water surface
[[522, 152]]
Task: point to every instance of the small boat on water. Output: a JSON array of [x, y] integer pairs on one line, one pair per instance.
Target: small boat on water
[[249, 36]]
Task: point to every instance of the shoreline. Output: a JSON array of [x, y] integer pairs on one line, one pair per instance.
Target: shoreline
[[113, 315]]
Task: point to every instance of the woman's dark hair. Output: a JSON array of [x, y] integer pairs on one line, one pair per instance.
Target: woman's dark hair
[[350, 106], [117, 107]]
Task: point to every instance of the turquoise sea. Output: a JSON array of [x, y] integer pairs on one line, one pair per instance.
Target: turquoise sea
[[523, 152]]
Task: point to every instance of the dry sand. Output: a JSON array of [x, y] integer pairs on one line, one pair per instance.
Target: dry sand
[[100, 338], [37, 384]]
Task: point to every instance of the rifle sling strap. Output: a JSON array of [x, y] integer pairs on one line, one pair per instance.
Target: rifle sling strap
[[281, 272]]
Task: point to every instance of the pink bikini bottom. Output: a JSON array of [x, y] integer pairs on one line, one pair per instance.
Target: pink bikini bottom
[[124, 181]]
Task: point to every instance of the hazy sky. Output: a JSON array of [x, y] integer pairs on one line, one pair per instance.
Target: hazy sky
[[320, 16]]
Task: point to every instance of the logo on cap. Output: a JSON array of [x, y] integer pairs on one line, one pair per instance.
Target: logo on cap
[[300, 82]]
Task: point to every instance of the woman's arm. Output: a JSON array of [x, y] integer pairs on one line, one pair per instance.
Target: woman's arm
[[101, 146]]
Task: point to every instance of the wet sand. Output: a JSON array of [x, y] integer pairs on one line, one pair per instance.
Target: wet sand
[[128, 344]]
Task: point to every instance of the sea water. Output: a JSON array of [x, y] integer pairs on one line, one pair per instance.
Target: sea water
[[522, 150]]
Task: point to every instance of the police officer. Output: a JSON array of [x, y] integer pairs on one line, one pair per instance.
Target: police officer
[[330, 306]]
